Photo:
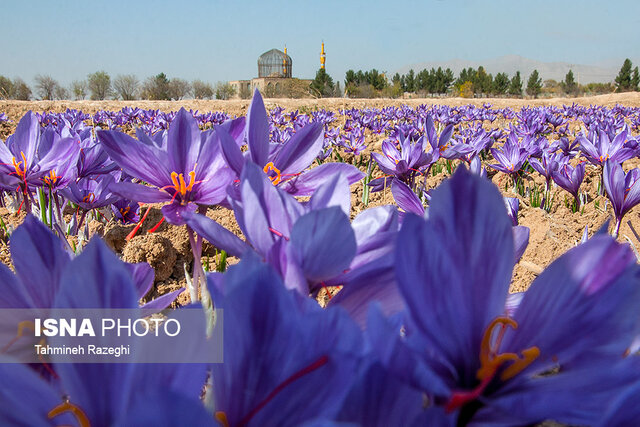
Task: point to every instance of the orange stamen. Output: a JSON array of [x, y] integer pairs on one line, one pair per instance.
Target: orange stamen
[[51, 179], [491, 361], [20, 171], [89, 198], [274, 179], [222, 418], [65, 406], [179, 184]]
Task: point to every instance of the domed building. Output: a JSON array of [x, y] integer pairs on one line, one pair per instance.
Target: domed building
[[274, 63], [275, 78]]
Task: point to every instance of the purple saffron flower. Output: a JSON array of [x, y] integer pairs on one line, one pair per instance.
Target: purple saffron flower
[[98, 394], [622, 189], [569, 149], [126, 211], [598, 146], [91, 193], [191, 170], [547, 165], [439, 145], [511, 157], [307, 244], [353, 142], [570, 178], [401, 163], [34, 158], [454, 270]]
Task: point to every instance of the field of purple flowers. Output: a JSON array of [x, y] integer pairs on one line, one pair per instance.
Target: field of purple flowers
[[462, 258]]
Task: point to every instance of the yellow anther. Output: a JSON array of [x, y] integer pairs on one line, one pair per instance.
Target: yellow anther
[[528, 356], [20, 171], [179, 183], [25, 324], [271, 167], [222, 418], [66, 406], [89, 198], [491, 360], [51, 179]]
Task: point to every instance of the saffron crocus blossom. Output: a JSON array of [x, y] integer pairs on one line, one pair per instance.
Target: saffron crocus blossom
[[511, 156], [34, 158], [91, 193], [570, 178], [312, 244], [402, 163], [598, 147], [454, 270], [93, 160], [547, 164], [126, 211], [284, 164], [190, 171], [300, 346], [622, 189], [353, 142], [568, 148], [438, 145], [96, 394]]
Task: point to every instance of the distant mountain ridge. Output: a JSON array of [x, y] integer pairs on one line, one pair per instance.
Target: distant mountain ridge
[[509, 64]]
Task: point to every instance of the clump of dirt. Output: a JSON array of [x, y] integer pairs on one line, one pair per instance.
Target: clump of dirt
[[153, 249]]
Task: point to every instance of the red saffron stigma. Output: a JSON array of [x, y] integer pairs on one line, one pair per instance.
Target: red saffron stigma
[[279, 234], [155, 227], [138, 225]]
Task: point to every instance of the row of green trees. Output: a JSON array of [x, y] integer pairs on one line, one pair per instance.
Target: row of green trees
[[127, 87], [477, 82]]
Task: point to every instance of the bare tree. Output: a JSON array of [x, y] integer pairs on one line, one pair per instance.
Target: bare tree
[[126, 86], [79, 89], [6, 88], [99, 85], [60, 92], [179, 88], [21, 91], [202, 90], [45, 86]]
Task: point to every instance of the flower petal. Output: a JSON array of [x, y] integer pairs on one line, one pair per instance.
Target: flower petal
[[307, 182], [258, 130], [301, 150], [455, 268], [325, 243], [216, 234]]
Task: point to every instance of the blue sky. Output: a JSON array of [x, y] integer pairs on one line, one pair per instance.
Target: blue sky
[[217, 41]]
